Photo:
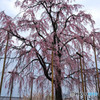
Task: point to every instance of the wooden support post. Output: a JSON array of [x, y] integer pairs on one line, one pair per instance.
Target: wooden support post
[[12, 82], [52, 76], [79, 83], [4, 64], [32, 78], [96, 69], [31, 89], [82, 79], [96, 83], [81, 75], [79, 88], [85, 88], [11, 90]]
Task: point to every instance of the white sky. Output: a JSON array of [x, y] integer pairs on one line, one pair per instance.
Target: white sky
[[93, 8], [90, 6]]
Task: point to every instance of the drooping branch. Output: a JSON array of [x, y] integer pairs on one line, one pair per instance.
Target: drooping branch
[[43, 66], [28, 65]]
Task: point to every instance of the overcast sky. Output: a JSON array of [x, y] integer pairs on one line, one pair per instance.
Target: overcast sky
[[90, 6]]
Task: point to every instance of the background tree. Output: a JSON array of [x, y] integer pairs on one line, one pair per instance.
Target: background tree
[[61, 27]]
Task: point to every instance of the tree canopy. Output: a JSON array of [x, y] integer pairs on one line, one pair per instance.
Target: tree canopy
[[64, 29]]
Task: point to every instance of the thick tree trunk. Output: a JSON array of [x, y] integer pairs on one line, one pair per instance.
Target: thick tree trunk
[[58, 89], [58, 92]]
